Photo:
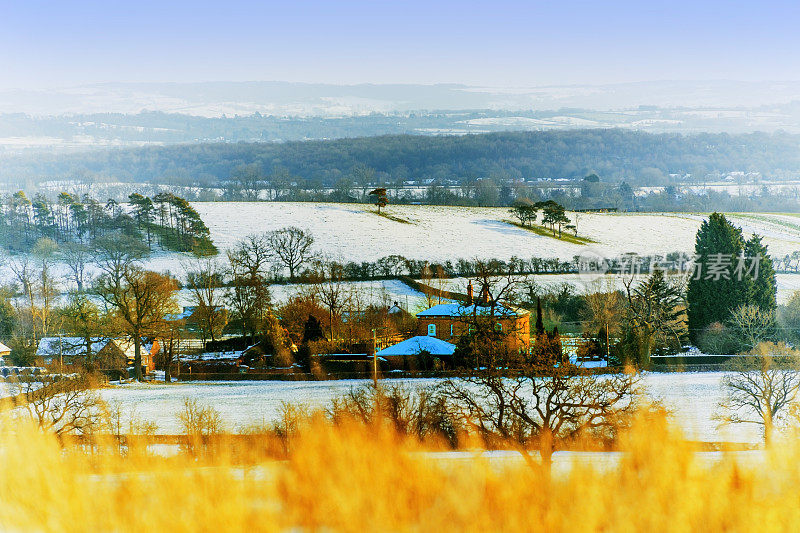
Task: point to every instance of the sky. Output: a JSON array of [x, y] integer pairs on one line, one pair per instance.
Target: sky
[[498, 44]]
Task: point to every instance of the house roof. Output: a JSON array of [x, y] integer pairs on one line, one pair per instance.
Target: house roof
[[461, 310], [416, 345], [69, 346], [4, 348], [76, 346]]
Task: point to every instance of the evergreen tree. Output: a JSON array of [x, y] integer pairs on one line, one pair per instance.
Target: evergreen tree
[[714, 291], [762, 287], [539, 321], [656, 317], [312, 331]]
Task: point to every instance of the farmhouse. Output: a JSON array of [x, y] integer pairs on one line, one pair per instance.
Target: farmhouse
[[448, 321]]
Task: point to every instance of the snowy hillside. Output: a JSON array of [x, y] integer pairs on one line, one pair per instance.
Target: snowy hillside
[[353, 232]]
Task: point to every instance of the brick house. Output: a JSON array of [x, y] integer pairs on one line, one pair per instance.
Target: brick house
[[449, 321]]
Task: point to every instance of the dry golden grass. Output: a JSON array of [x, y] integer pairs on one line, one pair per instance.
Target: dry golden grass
[[351, 477]]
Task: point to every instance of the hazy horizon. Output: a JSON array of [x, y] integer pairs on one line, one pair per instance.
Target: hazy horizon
[[504, 44]]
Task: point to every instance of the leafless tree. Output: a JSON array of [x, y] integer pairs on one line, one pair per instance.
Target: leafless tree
[[332, 292], [62, 406], [170, 339], [24, 272], [758, 390], [248, 295], [77, 257], [140, 299], [752, 324], [656, 313], [47, 285], [291, 247], [434, 276], [199, 422], [246, 182], [543, 405], [251, 255], [39, 286], [204, 278], [604, 308], [114, 254]]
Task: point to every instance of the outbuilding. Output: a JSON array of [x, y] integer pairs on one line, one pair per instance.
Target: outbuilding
[[417, 345]]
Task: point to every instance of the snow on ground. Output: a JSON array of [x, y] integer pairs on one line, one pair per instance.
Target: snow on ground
[[583, 283], [693, 396], [354, 232], [377, 292]]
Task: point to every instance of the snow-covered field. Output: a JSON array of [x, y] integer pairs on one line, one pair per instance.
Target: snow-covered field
[[692, 396], [353, 232]]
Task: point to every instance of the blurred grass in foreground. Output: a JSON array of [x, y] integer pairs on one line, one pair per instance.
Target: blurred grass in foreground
[[354, 477]]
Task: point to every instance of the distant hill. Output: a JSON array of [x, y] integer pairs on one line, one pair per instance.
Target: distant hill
[[614, 154]]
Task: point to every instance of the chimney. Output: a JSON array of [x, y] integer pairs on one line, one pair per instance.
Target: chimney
[[469, 293]]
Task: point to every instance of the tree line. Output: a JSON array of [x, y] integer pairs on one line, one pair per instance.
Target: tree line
[[640, 158]]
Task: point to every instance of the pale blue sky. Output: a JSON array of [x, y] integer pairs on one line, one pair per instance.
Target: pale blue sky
[[500, 43]]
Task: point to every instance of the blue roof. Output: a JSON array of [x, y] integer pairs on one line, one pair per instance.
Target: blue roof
[[461, 310], [415, 345]]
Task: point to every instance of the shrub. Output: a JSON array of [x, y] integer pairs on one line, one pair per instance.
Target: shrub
[[717, 338]]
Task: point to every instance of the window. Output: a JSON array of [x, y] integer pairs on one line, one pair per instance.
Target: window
[[431, 330], [451, 330]]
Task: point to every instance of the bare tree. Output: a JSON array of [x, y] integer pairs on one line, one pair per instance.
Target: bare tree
[[24, 272], [492, 330], [199, 422], [77, 257], [656, 313], [39, 286], [62, 406], [543, 405], [251, 255], [205, 277], [47, 285], [248, 295], [759, 389], [141, 299], [604, 308], [115, 254], [291, 246], [752, 324], [170, 338], [332, 292], [246, 182], [434, 277]]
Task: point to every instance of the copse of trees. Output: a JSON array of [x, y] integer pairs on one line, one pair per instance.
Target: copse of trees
[[72, 220]]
